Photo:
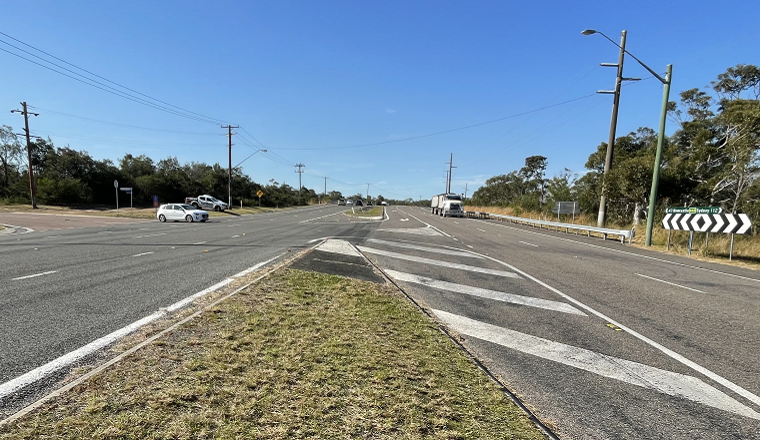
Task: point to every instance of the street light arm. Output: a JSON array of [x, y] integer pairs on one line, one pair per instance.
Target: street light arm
[[662, 80]]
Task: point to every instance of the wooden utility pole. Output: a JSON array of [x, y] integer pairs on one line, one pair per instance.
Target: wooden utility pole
[[28, 151], [325, 190], [299, 171], [448, 180], [229, 181]]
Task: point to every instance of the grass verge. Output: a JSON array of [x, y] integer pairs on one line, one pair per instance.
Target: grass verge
[[298, 355]]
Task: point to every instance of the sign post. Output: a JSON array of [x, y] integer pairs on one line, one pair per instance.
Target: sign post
[[116, 187], [705, 219], [259, 193]]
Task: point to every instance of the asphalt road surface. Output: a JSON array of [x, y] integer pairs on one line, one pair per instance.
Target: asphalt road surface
[[63, 289], [601, 340]]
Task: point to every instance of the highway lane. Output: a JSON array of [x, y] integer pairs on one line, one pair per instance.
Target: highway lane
[[60, 290], [683, 366]]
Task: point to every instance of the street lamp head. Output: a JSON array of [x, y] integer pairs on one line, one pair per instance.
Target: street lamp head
[[588, 32]]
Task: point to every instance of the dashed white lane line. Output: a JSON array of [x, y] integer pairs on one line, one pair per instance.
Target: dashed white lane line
[[672, 354], [43, 371], [432, 262], [481, 230], [645, 376], [526, 243], [424, 248], [235, 236], [668, 282], [142, 254], [200, 242], [469, 246], [150, 235], [485, 293], [34, 275]]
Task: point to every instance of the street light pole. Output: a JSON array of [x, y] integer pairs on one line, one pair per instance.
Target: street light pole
[[658, 155]]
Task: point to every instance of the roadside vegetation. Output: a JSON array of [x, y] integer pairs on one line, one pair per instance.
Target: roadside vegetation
[[712, 159], [298, 355]]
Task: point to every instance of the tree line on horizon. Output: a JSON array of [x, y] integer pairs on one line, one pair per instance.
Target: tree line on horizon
[[712, 159]]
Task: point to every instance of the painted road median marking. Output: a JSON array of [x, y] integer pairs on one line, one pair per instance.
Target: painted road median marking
[[645, 376], [432, 262], [425, 248], [668, 282], [485, 293]]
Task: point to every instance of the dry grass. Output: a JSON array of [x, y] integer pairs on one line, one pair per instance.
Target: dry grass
[[300, 355], [746, 248]]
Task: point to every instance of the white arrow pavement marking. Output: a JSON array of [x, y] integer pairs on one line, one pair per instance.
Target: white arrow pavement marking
[[731, 224], [674, 222], [665, 219], [685, 222], [438, 262], [425, 248], [485, 293], [746, 223], [35, 275], [645, 376], [719, 222]]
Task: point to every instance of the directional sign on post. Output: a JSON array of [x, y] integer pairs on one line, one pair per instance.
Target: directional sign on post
[[707, 222]]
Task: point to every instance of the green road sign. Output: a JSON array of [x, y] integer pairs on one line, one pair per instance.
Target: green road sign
[[695, 210]]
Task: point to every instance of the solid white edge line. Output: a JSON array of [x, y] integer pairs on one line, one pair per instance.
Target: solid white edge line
[[254, 267], [425, 223], [662, 260], [672, 354], [45, 370], [668, 282], [34, 275], [142, 254]]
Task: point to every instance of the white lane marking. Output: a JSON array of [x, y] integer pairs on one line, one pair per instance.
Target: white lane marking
[[668, 282], [645, 376], [35, 275], [424, 248], [485, 293], [233, 226], [150, 235], [481, 230], [235, 236], [404, 220], [43, 371], [254, 267], [469, 246], [339, 247], [633, 254], [689, 363], [200, 242], [438, 262], [425, 223], [525, 242], [414, 231], [142, 254]]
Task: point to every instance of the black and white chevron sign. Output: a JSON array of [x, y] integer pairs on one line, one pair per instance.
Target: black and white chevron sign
[[716, 223]]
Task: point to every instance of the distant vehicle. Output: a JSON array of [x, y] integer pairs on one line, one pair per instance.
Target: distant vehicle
[[207, 202], [384, 203], [349, 202], [358, 202], [369, 202], [342, 202], [181, 211], [447, 205]]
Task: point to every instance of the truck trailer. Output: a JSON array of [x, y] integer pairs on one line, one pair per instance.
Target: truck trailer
[[447, 205]]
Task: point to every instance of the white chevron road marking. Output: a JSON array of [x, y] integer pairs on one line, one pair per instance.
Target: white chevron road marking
[[501, 273], [645, 376]]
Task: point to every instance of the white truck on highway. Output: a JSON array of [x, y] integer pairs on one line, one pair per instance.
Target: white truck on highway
[[447, 205], [206, 202]]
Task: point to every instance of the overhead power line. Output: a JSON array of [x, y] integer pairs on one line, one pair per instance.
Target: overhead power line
[[127, 93]]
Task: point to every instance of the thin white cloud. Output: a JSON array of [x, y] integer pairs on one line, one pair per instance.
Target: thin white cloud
[[390, 110]]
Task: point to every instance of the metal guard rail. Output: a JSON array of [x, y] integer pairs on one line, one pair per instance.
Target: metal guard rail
[[622, 233]]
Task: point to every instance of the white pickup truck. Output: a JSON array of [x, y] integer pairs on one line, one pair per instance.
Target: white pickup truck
[[447, 205], [206, 202]]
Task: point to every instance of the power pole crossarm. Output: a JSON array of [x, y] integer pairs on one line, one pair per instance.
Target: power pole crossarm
[[300, 167]]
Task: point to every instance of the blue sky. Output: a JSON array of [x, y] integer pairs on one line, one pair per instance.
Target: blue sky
[[309, 78]]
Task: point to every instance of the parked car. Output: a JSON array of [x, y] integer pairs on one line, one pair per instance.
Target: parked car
[[342, 202], [206, 202], [179, 212]]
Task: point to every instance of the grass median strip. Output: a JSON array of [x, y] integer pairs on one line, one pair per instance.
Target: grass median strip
[[298, 355]]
